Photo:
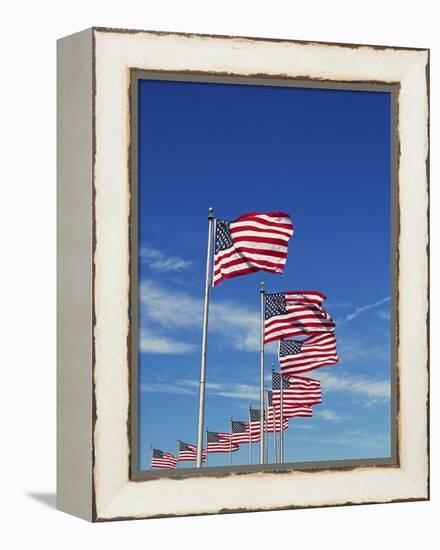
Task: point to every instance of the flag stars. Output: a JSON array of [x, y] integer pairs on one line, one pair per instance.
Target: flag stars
[[275, 305], [223, 239], [289, 347]]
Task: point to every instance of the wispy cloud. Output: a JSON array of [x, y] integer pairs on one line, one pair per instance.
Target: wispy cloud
[[383, 314], [176, 310], [358, 311], [332, 305], [153, 343], [159, 261], [363, 440], [191, 387], [351, 349], [326, 414], [161, 387], [362, 385]]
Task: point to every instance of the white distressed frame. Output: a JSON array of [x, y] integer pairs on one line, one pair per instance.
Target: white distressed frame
[[114, 54]]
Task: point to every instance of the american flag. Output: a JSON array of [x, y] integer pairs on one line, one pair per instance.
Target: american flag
[[240, 432], [295, 313], [250, 243], [313, 352], [162, 459], [188, 452], [290, 411], [254, 425], [220, 442], [297, 390]]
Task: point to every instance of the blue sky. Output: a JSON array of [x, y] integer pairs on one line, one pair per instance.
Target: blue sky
[[323, 156]]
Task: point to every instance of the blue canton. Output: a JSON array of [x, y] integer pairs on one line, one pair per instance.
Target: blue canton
[[289, 347], [223, 239], [275, 305]]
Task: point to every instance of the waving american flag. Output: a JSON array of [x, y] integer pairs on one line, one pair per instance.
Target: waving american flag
[[188, 452], [290, 411], [240, 432], [315, 351], [251, 243], [297, 390], [162, 459], [295, 313], [220, 442]]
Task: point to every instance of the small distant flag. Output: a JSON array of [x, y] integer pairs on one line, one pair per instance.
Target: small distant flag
[[251, 243], [297, 390], [240, 432], [220, 442], [315, 351], [295, 313], [188, 452], [253, 426], [162, 459]]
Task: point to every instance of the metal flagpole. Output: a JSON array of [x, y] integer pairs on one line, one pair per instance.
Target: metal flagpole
[[250, 435], [274, 426], [281, 421], [177, 453], [230, 446], [266, 426], [151, 453], [204, 340], [262, 374]]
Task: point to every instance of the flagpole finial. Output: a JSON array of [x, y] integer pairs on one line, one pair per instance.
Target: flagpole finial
[[262, 286], [210, 212]]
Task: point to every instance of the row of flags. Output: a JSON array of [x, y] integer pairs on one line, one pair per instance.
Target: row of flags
[[254, 242], [298, 395]]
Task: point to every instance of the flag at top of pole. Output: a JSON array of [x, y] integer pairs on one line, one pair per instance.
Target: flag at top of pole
[[253, 242]]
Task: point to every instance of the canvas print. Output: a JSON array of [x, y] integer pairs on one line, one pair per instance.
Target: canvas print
[[264, 248]]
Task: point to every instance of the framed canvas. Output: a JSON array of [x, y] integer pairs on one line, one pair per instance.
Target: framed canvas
[[204, 182]]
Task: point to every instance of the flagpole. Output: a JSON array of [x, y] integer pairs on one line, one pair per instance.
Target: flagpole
[[151, 453], [266, 413], [177, 453], [281, 421], [274, 424], [262, 373], [230, 446], [206, 460], [204, 340], [250, 435]]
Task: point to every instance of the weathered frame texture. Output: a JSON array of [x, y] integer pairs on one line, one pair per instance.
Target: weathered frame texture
[[94, 422]]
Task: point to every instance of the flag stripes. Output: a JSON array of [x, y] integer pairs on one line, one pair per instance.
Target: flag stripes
[[299, 390], [295, 313], [220, 442], [251, 243], [188, 452], [290, 411], [240, 432], [162, 459], [302, 356]]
